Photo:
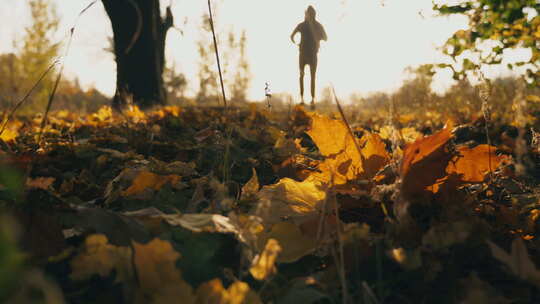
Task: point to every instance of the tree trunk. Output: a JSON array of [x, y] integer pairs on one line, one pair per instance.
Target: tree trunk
[[139, 47]]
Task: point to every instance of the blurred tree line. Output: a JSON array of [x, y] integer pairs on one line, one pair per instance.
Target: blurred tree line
[[461, 101], [32, 56], [37, 51], [236, 72]]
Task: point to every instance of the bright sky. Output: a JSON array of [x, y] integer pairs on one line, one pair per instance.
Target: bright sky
[[369, 43]]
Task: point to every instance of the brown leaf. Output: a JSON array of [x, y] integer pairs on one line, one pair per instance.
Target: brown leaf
[[424, 162], [250, 189], [39, 182], [518, 261]]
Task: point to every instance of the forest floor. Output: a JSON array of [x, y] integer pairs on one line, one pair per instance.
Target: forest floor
[[201, 205]]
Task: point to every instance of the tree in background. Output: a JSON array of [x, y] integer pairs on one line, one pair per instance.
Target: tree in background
[[175, 84], [495, 26], [208, 84], [35, 54], [9, 85], [139, 46], [240, 82], [235, 66], [416, 90]]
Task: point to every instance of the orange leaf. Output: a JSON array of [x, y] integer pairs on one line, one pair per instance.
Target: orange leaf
[[148, 180], [40, 182], [424, 163], [473, 164]]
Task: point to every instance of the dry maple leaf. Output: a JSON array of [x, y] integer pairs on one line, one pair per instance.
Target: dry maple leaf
[[154, 264], [157, 274], [293, 242], [518, 261], [9, 134], [237, 293], [250, 189], [39, 182], [344, 161], [472, 164], [424, 162], [148, 180], [263, 265], [290, 199], [100, 257]]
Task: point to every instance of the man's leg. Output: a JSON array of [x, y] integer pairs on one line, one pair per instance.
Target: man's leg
[[302, 68], [313, 71]]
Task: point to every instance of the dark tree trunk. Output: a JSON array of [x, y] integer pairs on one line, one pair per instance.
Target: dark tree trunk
[[139, 46]]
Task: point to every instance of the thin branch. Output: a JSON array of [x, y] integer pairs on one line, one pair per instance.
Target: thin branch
[[217, 54], [347, 124], [20, 103]]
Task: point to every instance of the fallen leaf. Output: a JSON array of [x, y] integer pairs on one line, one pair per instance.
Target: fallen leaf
[[237, 293], [148, 180], [478, 291], [518, 261], [263, 265], [40, 182], [344, 162], [446, 235], [250, 189], [9, 134], [158, 277], [201, 222], [293, 242], [424, 163], [473, 164], [290, 199], [99, 257]]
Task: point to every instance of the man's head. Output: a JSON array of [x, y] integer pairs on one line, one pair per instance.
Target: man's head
[[310, 13]]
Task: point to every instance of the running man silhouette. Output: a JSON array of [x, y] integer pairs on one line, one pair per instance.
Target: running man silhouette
[[312, 32]]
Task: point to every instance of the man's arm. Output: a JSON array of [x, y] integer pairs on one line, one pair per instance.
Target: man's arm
[[323, 33], [296, 30]]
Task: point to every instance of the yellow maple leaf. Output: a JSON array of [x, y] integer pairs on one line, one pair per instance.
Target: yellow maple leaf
[[100, 257], [9, 134], [157, 274], [263, 265], [293, 242], [290, 199], [103, 114], [237, 293], [344, 161]]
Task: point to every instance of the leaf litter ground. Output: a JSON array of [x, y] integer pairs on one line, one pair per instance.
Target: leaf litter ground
[[198, 205]]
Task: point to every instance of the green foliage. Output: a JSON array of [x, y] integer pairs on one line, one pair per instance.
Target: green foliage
[[10, 258], [495, 26]]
